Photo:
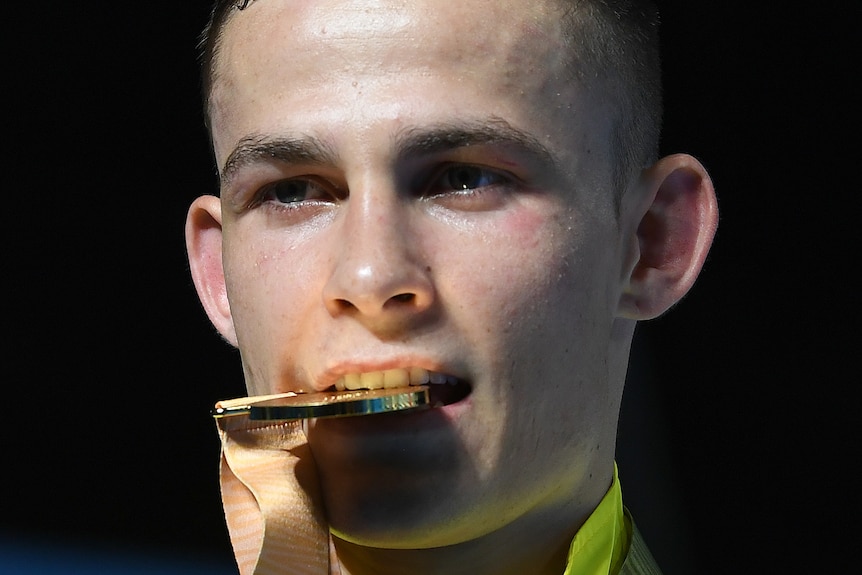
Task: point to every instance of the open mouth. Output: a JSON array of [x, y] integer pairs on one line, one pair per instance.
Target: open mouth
[[443, 389]]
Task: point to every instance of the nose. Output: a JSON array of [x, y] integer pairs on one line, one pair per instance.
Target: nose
[[378, 275]]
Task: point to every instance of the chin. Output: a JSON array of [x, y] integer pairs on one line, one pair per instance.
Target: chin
[[394, 507], [421, 525], [392, 487]]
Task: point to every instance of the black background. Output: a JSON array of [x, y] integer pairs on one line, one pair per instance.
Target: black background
[[738, 444]]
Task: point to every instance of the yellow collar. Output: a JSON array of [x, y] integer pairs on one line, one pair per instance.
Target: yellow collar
[[600, 546]]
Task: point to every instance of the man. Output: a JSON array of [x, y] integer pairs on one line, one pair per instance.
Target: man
[[467, 195]]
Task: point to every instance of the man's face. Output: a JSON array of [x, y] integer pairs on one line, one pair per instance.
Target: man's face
[[409, 187]]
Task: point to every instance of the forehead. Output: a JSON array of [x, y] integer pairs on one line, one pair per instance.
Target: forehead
[[279, 57], [469, 26]]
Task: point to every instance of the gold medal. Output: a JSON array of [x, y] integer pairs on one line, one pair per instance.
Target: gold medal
[[294, 406]]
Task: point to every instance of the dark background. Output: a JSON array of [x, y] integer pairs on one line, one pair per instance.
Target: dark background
[[738, 444]]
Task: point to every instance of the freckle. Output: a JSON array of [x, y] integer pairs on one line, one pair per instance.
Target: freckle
[[428, 269]]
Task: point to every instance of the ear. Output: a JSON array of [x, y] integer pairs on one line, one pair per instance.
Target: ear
[[676, 218], [204, 246]]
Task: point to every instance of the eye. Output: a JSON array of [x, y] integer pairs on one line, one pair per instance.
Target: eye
[[295, 191], [468, 177], [470, 187], [464, 178]]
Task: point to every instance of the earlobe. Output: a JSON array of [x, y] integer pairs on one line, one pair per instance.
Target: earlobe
[[204, 246], [675, 227]]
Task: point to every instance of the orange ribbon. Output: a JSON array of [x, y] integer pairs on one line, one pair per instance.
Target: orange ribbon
[[272, 500]]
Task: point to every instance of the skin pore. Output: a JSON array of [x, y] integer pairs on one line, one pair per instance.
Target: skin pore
[[404, 187]]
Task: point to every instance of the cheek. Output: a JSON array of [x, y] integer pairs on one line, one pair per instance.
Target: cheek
[[544, 271], [270, 285], [265, 279], [523, 229], [512, 266], [532, 249], [267, 265]]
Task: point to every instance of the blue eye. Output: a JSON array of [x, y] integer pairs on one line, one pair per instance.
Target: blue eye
[[294, 191], [468, 187], [464, 177]]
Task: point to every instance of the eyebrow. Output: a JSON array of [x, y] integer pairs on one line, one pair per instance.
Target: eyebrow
[[439, 138], [291, 150], [412, 142]]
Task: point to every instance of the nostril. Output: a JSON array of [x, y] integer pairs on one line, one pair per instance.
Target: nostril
[[344, 305], [404, 297]]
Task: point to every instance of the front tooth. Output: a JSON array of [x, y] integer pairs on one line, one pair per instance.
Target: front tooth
[[419, 376], [395, 378], [371, 380], [391, 378], [352, 381]]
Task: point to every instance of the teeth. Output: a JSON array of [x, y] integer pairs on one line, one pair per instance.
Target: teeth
[[392, 378], [350, 381], [395, 378], [419, 376], [371, 380]]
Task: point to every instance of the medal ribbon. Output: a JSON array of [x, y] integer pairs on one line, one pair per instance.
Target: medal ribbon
[[272, 499]]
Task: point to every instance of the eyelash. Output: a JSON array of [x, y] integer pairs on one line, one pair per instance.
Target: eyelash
[[451, 181], [271, 190], [266, 195], [453, 172]]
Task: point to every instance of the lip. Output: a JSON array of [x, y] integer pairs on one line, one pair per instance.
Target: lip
[[442, 394]]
